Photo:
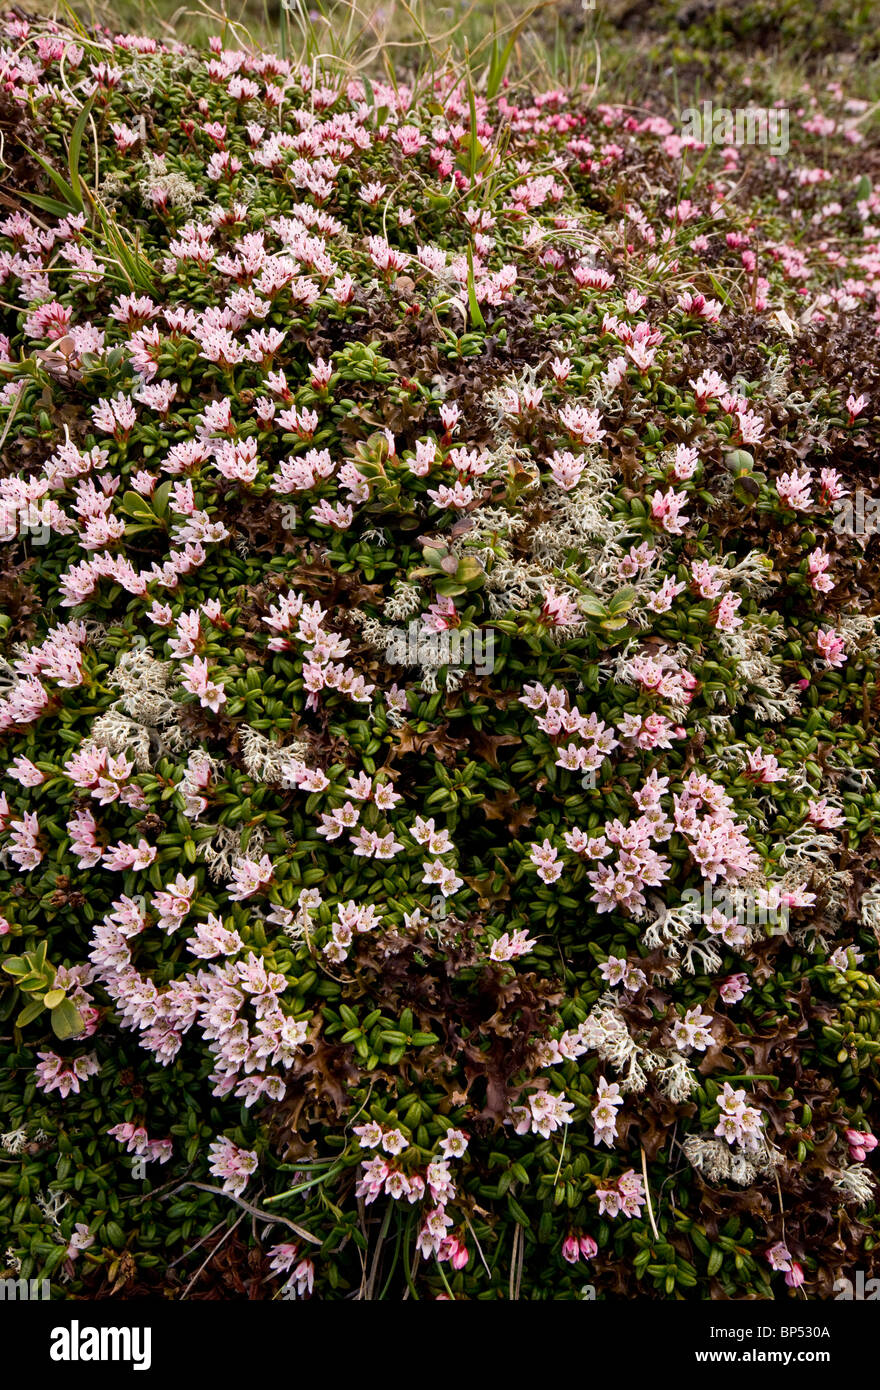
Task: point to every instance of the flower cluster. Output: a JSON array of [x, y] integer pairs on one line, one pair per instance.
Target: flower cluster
[[557, 906]]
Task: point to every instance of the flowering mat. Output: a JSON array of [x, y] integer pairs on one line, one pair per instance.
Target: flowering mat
[[440, 686]]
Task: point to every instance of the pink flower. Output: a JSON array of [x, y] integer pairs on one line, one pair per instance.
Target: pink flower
[[545, 858], [282, 1257], [24, 771], [54, 1074], [173, 903], [779, 1257], [831, 646], [734, 988], [455, 1251], [794, 489], [626, 1196], [855, 405], [249, 876], [454, 1143], [369, 1135], [763, 767], [861, 1143], [818, 563], [81, 1239], [441, 615], [827, 817], [725, 614], [559, 610], [195, 679], [751, 426], [506, 947], [410, 139], [302, 1279], [582, 424], [566, 469], [571, 1250], [234, 1165], [831, 489], [666, 508], [707, 387]]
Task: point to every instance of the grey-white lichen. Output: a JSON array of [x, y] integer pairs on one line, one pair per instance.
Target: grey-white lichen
[[143, 721], [721, 1162], [226, 850], [606, 1033], [265, 760], [855, 1183], [52, 1204], [869, 909], [13, 1141]]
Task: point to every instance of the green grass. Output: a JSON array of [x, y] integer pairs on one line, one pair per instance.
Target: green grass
[[670, 56]]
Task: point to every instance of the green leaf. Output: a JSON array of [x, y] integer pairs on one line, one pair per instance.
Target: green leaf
[[434, 557], [470, 572], [50, 205], [592, 605], [71, 199], [159, 499], [449, 588], [739, 461], [622, 601], [517, 1212], [115, 1234], [473, 307], [73, 152], [138, 506], [67, 1021], [29, 1013], [641, 1261], [499, 61]]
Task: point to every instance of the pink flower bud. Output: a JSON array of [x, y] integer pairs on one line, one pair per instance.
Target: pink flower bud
[[460, 1255], [571, 1250]]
